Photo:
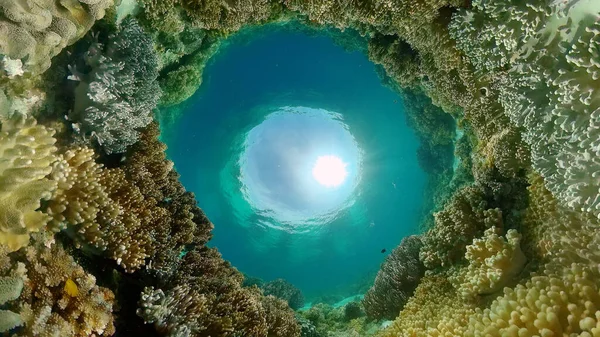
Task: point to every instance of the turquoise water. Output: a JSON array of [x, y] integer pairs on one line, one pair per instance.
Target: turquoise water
[[272, 102]]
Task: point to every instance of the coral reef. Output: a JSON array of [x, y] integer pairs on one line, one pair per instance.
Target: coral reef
[[398, 277], [286, 291], [38, 277], [115, 99], [138, 214], [550, 86], [205, 298]]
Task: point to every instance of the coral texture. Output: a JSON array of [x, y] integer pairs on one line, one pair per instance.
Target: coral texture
[[550, 88], [115, 99], [493, 262], [44, 305], [36, 31], [27, 151], [286, 291], [398, 277]]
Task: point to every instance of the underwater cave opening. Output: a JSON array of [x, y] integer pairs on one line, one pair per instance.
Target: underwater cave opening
[[301, 157]]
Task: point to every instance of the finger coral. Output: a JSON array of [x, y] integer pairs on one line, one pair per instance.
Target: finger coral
[[27, 152], [137, 214], [493, 261], [398, 277], [36, 31], [44, 305]]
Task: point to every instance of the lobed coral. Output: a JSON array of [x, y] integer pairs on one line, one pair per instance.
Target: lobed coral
[[27, 152], [493, 262], [37, 31], [396, 280]]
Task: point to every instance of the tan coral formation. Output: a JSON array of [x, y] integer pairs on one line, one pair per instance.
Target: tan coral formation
[[493, 262], [27, 151], [38, 30]]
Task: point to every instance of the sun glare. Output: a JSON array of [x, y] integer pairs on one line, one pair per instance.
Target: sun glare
[[329, 171]]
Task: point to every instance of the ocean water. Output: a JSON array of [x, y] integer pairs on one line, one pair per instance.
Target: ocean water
[[273, 101]]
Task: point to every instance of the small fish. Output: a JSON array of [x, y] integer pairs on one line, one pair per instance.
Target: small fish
[[383, 250], [71, 288]]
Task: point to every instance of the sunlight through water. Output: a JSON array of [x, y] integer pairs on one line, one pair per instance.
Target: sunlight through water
[[330, 171], [286, 171]]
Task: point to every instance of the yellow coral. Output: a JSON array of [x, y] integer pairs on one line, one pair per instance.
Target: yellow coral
[[493, 261], [27, 151]]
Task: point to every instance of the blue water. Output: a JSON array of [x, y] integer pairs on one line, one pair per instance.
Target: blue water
[[255, 75]]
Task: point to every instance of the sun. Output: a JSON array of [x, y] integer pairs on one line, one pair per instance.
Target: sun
[[329, 171]]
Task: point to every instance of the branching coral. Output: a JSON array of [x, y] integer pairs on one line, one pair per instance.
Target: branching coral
[[493, 262], [136, 214], [280, 319], [464, 218], [206, 298], [286, 291], [37, 31], [27, 151], [398, 277], [434, 310], [46, 308], [226, 16], [115, 99]]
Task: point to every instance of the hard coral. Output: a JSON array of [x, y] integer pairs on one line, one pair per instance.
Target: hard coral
[[493, 262], [47, 309], [286, 291], [544, 53], [398, 277], [136, 214], [27, 152], [37, 31], [205, 298]]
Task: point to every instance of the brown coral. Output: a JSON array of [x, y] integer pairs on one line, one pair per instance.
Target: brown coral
[[47, 309]]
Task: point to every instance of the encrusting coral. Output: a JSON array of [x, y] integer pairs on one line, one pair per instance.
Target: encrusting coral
[[27, 151]]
